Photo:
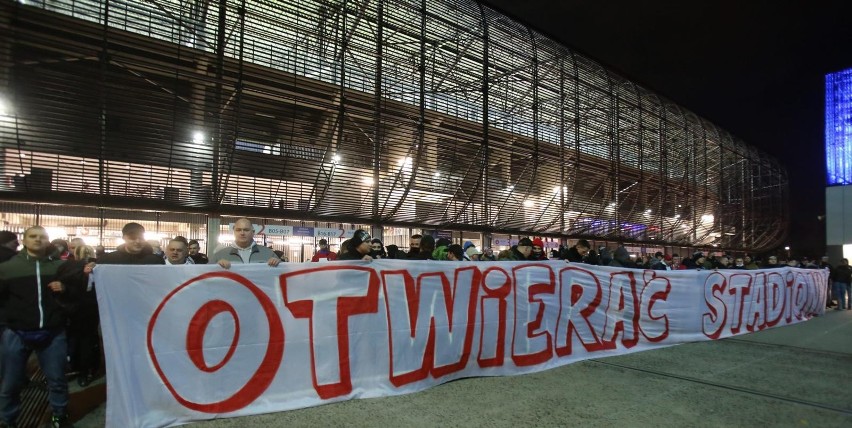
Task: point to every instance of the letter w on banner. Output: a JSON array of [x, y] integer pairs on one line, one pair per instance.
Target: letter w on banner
[[189, 343]]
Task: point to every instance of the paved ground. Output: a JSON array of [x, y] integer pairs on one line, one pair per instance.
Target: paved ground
[[797, 376]]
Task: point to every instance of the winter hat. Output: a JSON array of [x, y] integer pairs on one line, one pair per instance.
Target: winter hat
[[467, 244], [472, 251], [360, 236], [537, 242], [525, 242]]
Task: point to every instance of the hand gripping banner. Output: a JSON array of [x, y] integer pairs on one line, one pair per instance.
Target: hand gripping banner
[[188, 343]]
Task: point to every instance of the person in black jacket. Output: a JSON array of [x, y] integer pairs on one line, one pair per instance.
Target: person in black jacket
[[359, 247], [8, 245], [578, 252], [521, 251], [84, 324], [427, 247], [134, 251], [36, 294], [842, 279], [414, 247], [197, 257]]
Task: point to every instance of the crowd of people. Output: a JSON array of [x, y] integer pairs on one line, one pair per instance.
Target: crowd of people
[[49, 307]]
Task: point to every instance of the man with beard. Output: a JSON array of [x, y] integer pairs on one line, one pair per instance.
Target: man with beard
[[414, 246]]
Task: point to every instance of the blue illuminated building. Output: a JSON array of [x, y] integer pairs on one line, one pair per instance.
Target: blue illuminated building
[[838, 127]]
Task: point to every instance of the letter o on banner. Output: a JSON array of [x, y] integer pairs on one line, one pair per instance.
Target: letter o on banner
[[268, 367], [197, 328]]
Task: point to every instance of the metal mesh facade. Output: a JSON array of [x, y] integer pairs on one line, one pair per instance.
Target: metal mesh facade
[[420, 113]]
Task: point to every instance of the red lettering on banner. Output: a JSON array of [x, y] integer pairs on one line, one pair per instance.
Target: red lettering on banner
[[775, 297], [656, 289], [355, 296], [812, 299], [817, 297], [621, 307], [448, 326], [197, 328], [266, 371], [713, 322], [576, 306], [532, 351], [788, 300], [740, 287], [496, 286], [800, 296], [757, 306], [815, 277]]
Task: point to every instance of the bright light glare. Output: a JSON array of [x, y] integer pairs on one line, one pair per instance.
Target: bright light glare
[[367, 181], [529, 204], [55, 232], [198, 137], [335, 158], [707, 218]]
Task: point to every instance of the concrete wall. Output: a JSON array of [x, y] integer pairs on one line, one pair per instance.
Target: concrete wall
[[838, 215]]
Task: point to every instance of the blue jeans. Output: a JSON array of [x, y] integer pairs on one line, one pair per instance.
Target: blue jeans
[[841, 290], [51, 358]]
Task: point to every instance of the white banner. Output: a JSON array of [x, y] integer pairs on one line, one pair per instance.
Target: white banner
[[188, 343]]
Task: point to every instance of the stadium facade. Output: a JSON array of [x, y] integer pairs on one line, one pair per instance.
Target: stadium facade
[[430, 116], [838, 162]]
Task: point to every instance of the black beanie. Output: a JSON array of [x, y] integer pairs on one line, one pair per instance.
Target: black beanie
[[360, 236]]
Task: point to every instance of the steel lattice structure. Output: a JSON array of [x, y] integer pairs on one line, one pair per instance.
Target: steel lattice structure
[[424, 113]]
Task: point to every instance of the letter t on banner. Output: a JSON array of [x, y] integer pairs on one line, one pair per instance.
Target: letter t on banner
[[308, 294]]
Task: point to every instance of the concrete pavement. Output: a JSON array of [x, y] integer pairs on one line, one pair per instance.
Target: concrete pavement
[[795, 376]]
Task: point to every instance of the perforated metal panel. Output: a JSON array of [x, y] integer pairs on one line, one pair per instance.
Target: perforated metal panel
[[411, 113]]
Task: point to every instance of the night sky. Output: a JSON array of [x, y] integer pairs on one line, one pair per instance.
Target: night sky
[[753, 68]]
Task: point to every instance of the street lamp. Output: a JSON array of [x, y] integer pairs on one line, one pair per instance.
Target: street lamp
[[787, 248]]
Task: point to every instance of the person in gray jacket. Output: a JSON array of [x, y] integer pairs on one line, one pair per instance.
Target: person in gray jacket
[[244, 249]]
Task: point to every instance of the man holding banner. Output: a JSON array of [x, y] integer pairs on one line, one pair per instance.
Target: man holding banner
[[244, 249]]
